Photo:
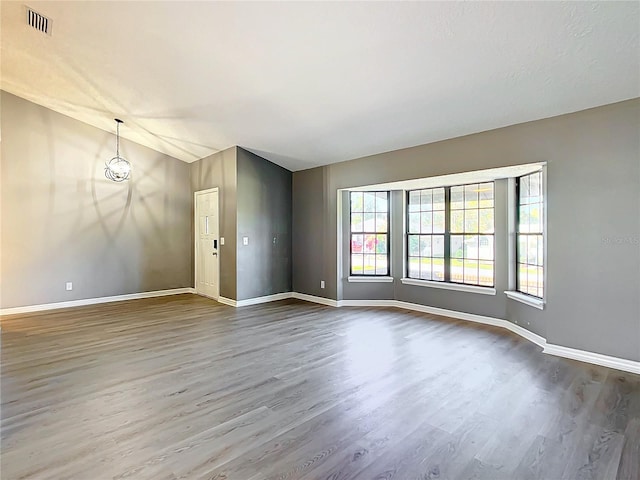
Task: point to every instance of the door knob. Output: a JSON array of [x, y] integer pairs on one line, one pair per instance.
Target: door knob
[[214, 253]]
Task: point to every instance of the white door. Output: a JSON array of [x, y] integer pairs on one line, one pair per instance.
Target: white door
[[207, 259]]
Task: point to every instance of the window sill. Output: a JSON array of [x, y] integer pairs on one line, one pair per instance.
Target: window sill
[[365, 279], [458, 287], [526, 299]]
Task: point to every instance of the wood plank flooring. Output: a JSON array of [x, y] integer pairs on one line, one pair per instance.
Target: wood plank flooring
[[183, 387]]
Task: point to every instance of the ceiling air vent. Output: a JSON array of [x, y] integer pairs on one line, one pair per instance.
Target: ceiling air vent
[[38, 21]]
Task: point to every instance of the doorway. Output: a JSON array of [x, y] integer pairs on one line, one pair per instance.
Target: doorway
[[207, 258]]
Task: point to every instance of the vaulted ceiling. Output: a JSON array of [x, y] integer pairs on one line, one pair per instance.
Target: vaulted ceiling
[[312, 83]]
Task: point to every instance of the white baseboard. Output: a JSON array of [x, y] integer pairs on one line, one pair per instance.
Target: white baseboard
[[591, 357], [93, 301], [267, 298], [227, 301], [311, 298], [551, 349]]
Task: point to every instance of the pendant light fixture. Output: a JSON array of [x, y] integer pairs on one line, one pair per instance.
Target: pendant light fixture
[[117, 169]]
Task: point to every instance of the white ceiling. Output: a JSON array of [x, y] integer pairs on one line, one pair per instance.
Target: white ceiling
[[306, 84]]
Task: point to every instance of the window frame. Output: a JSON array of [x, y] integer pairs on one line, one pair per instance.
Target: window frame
[[363, 233], [447, 258], [542, 234]]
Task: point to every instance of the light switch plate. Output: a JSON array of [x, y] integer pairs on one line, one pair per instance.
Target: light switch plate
[[221, 240], [245, 240]]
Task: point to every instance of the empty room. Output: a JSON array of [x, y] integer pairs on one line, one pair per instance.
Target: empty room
[[319, 240]]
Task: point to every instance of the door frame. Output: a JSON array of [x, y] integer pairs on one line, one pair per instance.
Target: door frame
[[195, 238]]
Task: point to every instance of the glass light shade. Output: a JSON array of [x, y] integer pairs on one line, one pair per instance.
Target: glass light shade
[[117, 169]]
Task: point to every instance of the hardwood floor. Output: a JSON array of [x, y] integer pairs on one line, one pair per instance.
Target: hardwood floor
[[183, 387]]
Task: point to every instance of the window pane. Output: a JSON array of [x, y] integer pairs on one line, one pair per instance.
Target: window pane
[[524, 189], [356, 201], [381, 265], [471, 271], [426, 221], [357, 264], [414, 201], [414, 267], [425, 245], [438, 198], [369, 244], [425, 269], [381, 243], [534, 188], [381, 202], [414, 245], [356, 243], [457, 198], [381, 222], [540, 250], [522, 277], [471, 221], [457, 221], [485, 248], [437, 269], [437, 245], [457, 270], [438, 222], [369, 222], [522, 249], [471, 196], [457, 246], [471, 246], [485, 192], [535, 218], [356, 222], [414, 222], [486, 274], [532, 250], [425, 200], [523, 219], [369, 264], [369, 202], [486, 220]]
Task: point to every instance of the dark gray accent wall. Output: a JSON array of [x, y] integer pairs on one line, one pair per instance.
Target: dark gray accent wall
[[264, 216], [309, 227], [220, 170], [593, 237], [62, 220]]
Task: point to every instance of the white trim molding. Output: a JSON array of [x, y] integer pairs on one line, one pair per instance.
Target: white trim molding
[[267, 298], [365, 279], [226, 301], [592, 357], [526, 299], [312, 298], [550, 349], [458, 287], [94, 301]]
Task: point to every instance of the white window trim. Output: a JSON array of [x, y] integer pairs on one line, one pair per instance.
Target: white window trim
[[369, 279], [526, 299], [458, 287]]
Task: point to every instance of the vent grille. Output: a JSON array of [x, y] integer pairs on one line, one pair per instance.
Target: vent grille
[[38, 21]]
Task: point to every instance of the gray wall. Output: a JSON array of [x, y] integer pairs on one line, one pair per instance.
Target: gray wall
[[264, 215], [593, 237], [309, 226], [220, 170], [62, 220]]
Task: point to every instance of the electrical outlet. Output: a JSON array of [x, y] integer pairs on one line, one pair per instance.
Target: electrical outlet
[[321, 283], [69, 286], [245, 240], [221, 240]]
